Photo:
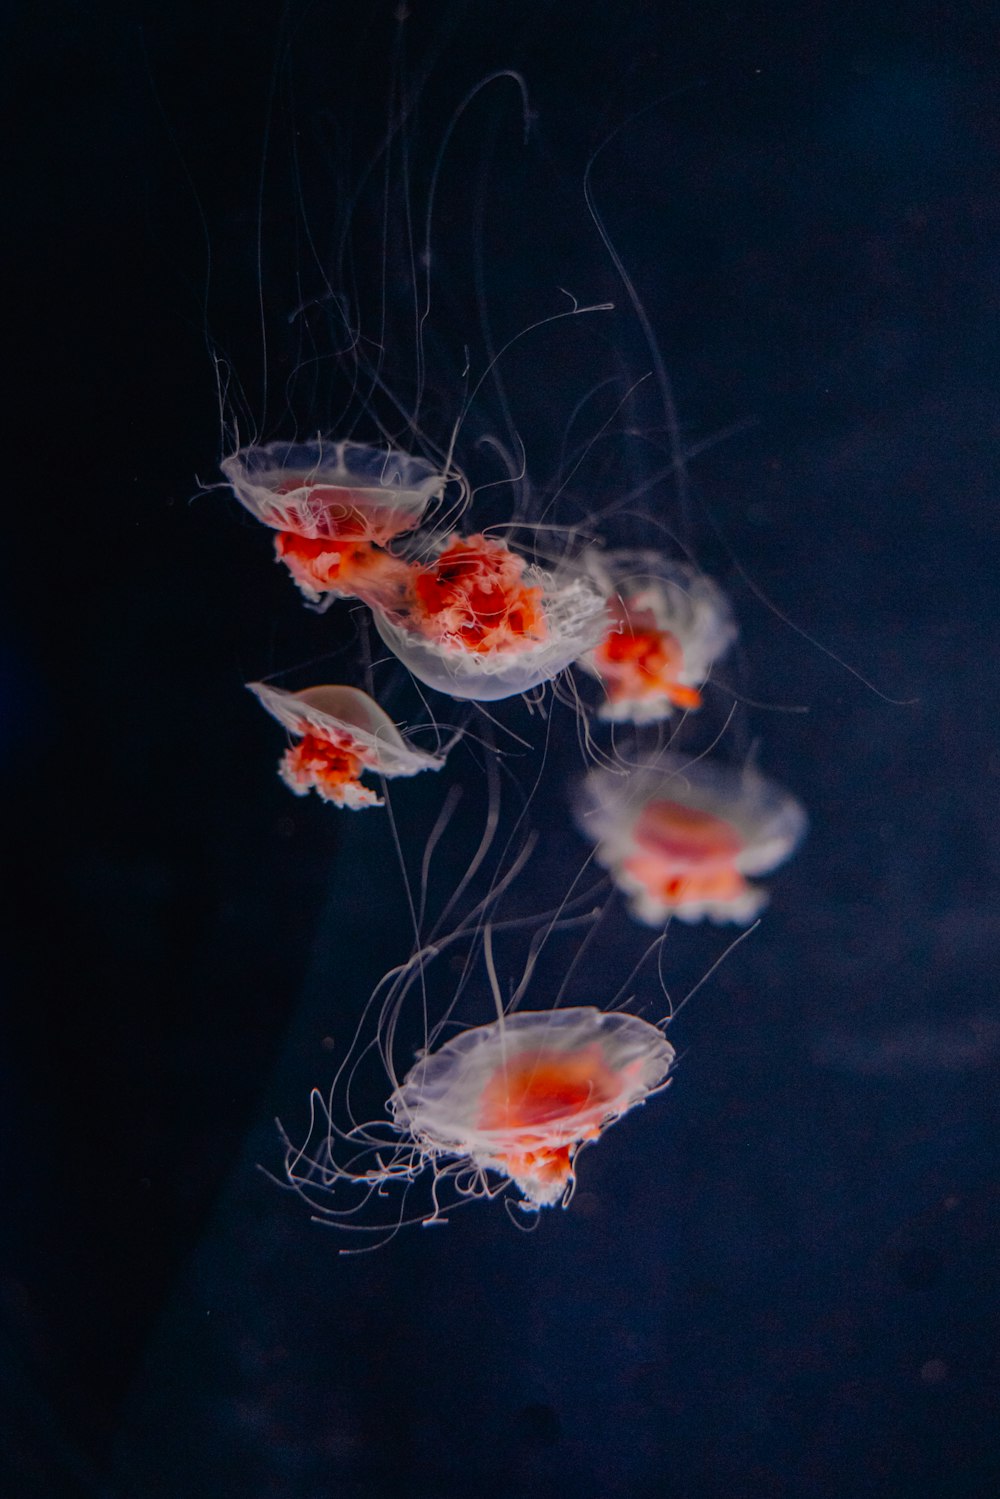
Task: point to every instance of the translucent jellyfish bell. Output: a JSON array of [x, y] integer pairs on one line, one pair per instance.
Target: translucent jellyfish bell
[[341, 732], [479, 621], [520, 1096], [681, 837], [334, 505], [331, 489], [669, 625]]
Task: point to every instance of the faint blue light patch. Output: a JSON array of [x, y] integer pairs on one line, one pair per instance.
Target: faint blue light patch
[[923, 1046], [900, 111]]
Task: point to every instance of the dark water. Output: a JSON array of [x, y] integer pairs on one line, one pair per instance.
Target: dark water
[[781, 1278]]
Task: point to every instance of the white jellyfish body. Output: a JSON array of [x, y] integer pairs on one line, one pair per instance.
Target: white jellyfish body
[[669, 624], [680, 838], [326, 489], [341, 732], [334, 505], [520, 1096], [479, 621]]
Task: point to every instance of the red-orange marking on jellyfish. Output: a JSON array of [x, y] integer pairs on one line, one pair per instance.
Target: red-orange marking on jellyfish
[[318, 762], [694, 885], [567, 1094], [687, 854], [639, 660], [474, 594], [350, 566], [686, 837], [321, 560]]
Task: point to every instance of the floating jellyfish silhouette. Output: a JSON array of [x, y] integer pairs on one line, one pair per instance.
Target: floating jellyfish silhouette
[[479, 621], [341, 732], [935, 1045], [513, 1100], [669, 625], [520, 1096], [681, 837], [335, 506]]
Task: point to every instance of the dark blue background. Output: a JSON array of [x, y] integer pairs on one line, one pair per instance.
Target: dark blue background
[[779, 1280]]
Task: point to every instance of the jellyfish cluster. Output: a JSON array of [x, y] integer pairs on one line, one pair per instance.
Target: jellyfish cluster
[[630, 639]]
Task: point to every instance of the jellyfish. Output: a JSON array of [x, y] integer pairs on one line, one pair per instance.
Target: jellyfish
[[341, 732], [680, 837], [669, 624], [335, 507], [510, 1102], [479, 621]]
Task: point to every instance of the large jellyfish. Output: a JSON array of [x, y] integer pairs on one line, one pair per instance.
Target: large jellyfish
[[680, 837], [513, 1100], [669, 624], [335, 506], [479, 621], [341, 732], [518, 1098]]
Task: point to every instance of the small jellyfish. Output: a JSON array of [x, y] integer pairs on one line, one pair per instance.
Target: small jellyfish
[[520, 1096], [335, 506], [479, 621], [669, 625], [681, 837], [341, 732]]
